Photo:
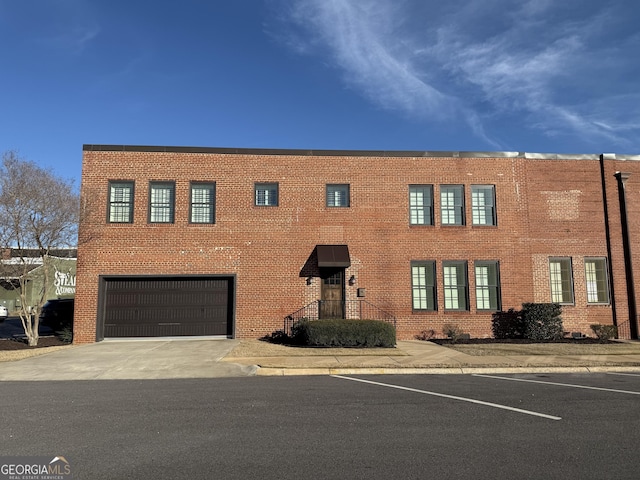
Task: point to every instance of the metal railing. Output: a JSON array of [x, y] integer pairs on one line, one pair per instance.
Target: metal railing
[[349, 310], [624, 330]]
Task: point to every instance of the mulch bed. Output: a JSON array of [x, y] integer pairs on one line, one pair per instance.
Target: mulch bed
[[20, 344], [488, 341]]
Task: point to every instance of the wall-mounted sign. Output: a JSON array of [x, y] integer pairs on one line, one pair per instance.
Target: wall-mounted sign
[[65, 283]]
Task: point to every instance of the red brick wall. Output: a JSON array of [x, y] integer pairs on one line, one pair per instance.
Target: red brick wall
[[544, 208]]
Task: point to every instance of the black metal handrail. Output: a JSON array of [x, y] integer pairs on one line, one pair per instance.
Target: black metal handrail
[[351, 310], [624, 330]]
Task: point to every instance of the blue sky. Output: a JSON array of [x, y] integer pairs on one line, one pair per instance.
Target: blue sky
[[491, 75]]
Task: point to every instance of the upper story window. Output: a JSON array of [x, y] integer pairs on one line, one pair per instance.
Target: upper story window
[[203, 203], [423, 285], [121, 202], [487, 285], [266, 194], [452, 204], [338, 195], [561, 279], [483, 205], [420, 205], [595, 270], [161, 202], [456, 290]]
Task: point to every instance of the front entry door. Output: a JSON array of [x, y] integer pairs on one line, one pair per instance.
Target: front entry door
[[332, 296]]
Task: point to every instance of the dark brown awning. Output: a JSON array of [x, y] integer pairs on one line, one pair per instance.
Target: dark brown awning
[[333, 256]]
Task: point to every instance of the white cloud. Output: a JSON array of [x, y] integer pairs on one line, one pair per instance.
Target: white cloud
[[533, 58], [74, 39], [362, 41]]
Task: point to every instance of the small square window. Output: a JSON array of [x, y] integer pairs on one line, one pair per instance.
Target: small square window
[[338, 195], [203, 203], [161, 202], [121, 202], [266, 194]]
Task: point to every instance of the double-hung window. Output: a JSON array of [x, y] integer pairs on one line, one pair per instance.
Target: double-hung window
[[420, 205], [120, 202], [595, 270], [338, 195], [561, 280], [456, 290], [266, 194], [452, 204], [423, 285], [483, 205], [487, 285], [161, 202], [203, 203]]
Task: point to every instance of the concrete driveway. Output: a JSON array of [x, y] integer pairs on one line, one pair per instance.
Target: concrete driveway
[[131, 359]]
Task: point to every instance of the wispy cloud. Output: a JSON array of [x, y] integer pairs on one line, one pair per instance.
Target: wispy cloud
[[361, 39], [66, 26], [74, 40], [533, 58]]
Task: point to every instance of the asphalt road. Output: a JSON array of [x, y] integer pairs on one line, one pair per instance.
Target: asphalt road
[[575, 426]]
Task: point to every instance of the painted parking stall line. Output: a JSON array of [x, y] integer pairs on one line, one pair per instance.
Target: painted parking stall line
[[570, 385], [452, 397]]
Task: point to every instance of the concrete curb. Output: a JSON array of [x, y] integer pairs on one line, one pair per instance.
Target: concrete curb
[[285, 372]]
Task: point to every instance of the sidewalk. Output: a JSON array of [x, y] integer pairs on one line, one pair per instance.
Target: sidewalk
[[414, 357], [197, 357]]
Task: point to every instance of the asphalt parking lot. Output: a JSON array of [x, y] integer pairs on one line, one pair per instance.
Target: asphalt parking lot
[[537, 426]]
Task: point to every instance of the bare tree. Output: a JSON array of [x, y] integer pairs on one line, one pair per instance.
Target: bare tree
[[38, 213]]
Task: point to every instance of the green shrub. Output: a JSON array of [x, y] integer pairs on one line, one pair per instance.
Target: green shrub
[[66, 334], [542, 321], [604, 332], [453, 332], [509, 324], [345, 333]]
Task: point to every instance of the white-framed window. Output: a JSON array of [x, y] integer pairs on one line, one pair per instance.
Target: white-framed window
[[561, 279], [420, 204], [423, 285], [456, 290], [161, 202], [487, 285], [120, 202], [338, 195], [596, 279], [452, 204], [266, 194], [203, 203], [483, 205]]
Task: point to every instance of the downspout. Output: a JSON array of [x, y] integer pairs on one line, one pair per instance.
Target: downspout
[[607, 230], [626, 245]]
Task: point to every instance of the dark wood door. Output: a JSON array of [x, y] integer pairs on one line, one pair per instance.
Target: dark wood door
[[332, 296]]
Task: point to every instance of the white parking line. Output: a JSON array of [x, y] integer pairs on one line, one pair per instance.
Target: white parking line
[[453, 397], [627, 374], [558, 384]]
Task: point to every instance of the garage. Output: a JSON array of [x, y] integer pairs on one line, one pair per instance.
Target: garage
[[166, 306]]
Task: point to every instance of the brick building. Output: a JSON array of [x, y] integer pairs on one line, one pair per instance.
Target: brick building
[[232, 242]]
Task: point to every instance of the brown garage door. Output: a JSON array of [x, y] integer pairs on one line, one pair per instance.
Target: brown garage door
[[167, 306]]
